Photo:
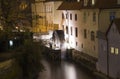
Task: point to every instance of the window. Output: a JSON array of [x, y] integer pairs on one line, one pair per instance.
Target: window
[[92, 36], [84, 17], [76, 43], [63, 27], [66, 29], [75, 17], [71, 30], [78, 0], [94, 17], [85, 2], [66, 16], [76, 32], [82, 45], [94, 48], [112, 50], [93, 2], [70, 16], [85, 33], [116, 51], [112, 16], [62, 16]]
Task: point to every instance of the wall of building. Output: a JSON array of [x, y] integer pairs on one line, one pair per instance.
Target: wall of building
[[50, 16], [80, 43], [57, 14], [102, 56], [114, 57]]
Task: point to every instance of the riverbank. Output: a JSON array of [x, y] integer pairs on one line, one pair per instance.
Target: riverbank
[[9, 69]]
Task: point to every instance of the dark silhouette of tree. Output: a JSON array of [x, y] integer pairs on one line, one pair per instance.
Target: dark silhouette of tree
[[15, 13]]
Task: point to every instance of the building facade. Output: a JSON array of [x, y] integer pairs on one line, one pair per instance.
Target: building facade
[[93, 16], [45, 14], [109, 56]]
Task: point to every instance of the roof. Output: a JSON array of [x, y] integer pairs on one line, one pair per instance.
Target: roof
[[52, 0], [117, 24], [100, 4], [70, 6]]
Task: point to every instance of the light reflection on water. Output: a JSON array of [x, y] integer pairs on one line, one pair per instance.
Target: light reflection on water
[[70, 72], [63, 70]]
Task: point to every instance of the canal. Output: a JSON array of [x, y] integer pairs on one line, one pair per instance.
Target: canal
[[64, 70]]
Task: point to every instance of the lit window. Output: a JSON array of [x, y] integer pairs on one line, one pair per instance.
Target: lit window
[[112, 50], [93, 2], [78, 0], [116, 51]]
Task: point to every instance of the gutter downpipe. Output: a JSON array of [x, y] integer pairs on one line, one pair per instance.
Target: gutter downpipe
[[107, 58]]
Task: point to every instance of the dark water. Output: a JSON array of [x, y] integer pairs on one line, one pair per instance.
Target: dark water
[[64, 70]]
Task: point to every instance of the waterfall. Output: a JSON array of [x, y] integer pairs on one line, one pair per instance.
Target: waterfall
[[63, 51], [59, 40]]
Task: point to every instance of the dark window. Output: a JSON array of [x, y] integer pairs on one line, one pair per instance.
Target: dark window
[[66, 29], [76, 43], [92, 36], [85, 33], [112, 16], [76, 32], [63, 27], [94, 48], [71, 30], [62, 16], [70, 16], [84, 17], [82, 45], [66, 16], [94, 17], [75, 17]]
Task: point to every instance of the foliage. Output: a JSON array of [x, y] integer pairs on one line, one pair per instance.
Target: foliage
[[14, 13], [29, 60], [14, 72]]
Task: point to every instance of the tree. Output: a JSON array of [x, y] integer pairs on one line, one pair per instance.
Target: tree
[[15, 13], [29, 58]]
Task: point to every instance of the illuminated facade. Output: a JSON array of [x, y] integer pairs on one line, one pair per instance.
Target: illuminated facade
[[93, 16], [81, 28], [45, 15]]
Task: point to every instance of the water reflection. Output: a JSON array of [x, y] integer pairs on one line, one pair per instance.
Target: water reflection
[[69, 71], [63, 70]]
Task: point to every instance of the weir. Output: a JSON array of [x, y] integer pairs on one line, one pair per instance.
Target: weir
[[59, 42]]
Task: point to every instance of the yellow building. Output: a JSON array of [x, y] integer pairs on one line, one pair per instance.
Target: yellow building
[[45, 15]]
